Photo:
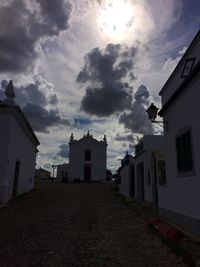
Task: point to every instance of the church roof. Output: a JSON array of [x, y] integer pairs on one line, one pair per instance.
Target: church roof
[[89, 137]]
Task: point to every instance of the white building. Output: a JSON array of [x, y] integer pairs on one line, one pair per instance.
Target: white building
[[143, 175], [127, 175], [62, 172], [149, 169], [87, 158], [181, 108], [18, 145]]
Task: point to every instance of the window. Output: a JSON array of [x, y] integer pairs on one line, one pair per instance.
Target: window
[[87, 155], [189, 64], [184, 152]]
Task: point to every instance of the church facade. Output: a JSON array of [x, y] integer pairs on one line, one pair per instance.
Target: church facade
[[87, 158]]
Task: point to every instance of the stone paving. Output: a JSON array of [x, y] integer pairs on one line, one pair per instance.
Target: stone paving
[[75, 225]]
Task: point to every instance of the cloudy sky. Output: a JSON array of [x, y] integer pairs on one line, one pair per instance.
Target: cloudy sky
[[91, 65]]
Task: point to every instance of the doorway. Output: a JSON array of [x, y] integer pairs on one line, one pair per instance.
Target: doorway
[[87, 173], [16, 178], [154, 182], [132, 181], [140, 182]]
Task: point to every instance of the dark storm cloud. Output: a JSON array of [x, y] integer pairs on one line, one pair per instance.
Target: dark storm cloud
[[38, 92], [31, 94], [107, 100], [23, 25], [54, 99], [63, 151], [4, 84], [41, 118], [34, 99], [104, 72], [136, 120], [142, 94], [55, 15]]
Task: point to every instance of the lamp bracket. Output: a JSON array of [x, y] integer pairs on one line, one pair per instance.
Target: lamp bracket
[[161, 123]]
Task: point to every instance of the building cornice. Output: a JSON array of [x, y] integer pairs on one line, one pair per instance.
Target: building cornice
[[197, 36], [181, 89]]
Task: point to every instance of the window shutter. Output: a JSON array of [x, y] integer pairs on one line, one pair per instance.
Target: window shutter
[[184, 152]]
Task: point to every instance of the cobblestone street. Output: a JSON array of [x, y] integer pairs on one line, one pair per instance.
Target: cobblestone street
[[77, 225]]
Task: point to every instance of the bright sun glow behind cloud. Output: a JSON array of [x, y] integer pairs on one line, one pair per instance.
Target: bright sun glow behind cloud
[[116, 18]]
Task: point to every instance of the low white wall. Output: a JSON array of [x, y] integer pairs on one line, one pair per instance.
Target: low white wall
[[145, 159], [182, 192]]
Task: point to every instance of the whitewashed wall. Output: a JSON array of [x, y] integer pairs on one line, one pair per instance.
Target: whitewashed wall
[[19, 148], [63, 168], [151, 143], [127, 175], [145, 158], [182, 193], [125, 181], [5, 132]]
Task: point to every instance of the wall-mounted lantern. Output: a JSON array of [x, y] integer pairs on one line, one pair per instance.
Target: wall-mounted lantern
[[152, 113]]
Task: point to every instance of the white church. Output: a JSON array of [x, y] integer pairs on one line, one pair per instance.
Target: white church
[[87, 158]]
